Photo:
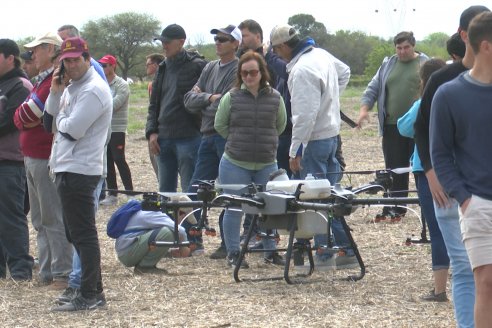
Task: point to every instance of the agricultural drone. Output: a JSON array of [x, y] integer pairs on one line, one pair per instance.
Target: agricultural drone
[[297, 208]]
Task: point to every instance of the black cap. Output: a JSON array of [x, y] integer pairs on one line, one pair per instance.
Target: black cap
[[9, 47], [26, 55], [468, 14], [171, 32]]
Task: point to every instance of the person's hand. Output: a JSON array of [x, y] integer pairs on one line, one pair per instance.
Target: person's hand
[[153, 144], [438, 194], [465, 204], [196, 89], [213, 98], [295, 164], [363, 116], [56, 84]]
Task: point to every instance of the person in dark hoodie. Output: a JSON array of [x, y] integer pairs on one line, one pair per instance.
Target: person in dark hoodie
[[14, 233], [173, 132]]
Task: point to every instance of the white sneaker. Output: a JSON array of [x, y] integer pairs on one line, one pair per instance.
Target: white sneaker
[[109, 200]]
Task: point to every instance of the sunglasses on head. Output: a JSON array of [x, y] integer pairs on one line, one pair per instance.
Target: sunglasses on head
[[222, 39], [253, 73]]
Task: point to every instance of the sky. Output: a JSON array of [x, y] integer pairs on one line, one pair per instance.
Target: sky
[[382, 18]]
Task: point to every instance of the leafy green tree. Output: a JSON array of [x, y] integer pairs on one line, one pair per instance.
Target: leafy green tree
[[376, 56], [127, 36], [434, 45], [21, 42], [307, 25], [352, 48]]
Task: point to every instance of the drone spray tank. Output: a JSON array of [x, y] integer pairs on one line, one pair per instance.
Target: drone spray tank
[[311, 188], [308, 222]]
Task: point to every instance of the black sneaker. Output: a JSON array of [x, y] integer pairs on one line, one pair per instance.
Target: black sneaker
[[219, 253], [78, 303], [234, 258], [101, 299], [275, 258], [433, 297], [68, 294]]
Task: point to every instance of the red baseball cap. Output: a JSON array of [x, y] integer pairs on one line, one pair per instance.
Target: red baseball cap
[[108, 59], [73, 47]]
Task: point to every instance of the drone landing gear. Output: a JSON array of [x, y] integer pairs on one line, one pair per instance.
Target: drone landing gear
[[293, 250]]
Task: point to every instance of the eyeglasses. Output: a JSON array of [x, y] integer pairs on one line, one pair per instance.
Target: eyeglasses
[[253, 73], [104, 65], [222, 39]]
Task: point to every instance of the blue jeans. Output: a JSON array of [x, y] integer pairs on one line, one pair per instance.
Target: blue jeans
[[176, 155], [463, 284], [14, 233], [440, 259], [76, 274], [319, 159], [208, 159], [206, 168], [233, 174]]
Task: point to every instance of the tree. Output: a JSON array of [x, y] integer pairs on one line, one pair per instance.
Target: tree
[[352, 48], [434, 45], [122, 35], [376, 56], [306, 25]]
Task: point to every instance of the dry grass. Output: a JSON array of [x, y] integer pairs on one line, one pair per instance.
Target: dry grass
[[200, 292]]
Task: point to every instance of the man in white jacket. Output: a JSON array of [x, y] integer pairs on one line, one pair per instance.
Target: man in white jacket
[[82, 112], [316, 79]]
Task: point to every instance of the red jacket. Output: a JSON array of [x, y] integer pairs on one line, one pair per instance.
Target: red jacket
[[35, 142]]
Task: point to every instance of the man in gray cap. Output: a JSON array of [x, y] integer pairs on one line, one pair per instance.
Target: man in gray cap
[[54, 250], [14, 233], [217, 78], [173, 132]]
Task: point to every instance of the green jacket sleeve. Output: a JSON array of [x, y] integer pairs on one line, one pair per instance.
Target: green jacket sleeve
[[222, 116]]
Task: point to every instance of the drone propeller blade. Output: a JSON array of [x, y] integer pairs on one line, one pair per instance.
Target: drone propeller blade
[[356, 172], [127, 192], [231, 186], [402, 170], [171, 194], [399, 170]]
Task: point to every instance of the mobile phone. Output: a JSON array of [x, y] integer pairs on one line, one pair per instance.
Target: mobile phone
[[61, 73]]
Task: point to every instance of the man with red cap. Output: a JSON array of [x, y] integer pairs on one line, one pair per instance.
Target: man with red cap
[[119, 122], [82, 113]]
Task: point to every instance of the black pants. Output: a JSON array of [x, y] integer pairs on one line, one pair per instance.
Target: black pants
[[77, 198], [397, 151], [116, 155]]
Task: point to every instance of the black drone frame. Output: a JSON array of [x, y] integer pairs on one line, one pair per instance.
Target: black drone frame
[[279, 211]]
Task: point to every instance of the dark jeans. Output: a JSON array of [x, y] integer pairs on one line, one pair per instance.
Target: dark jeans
[[283, 153], [77, 197], [397, 151], [14, 233], [116, 155]]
